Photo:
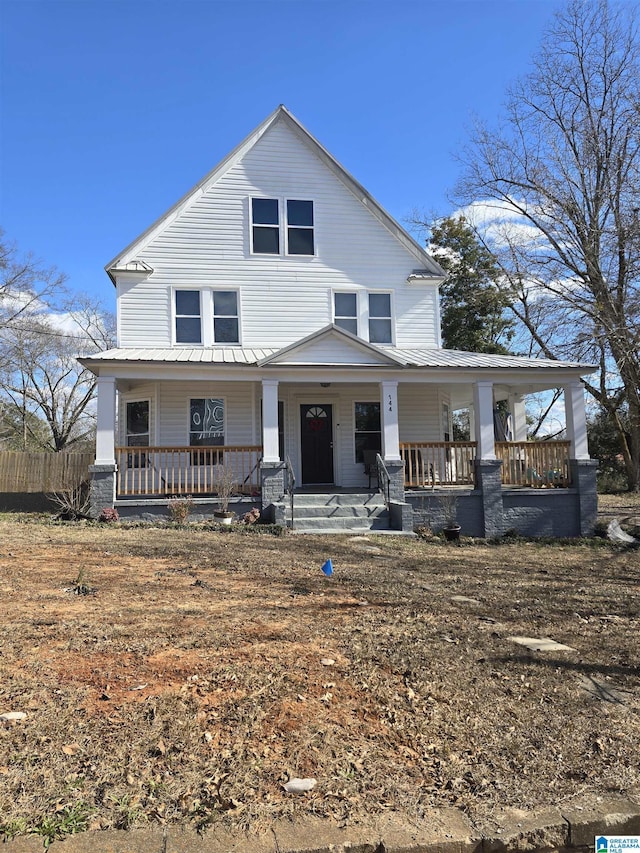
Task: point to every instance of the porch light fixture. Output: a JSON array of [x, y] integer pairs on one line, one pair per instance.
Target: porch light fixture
[[325, 385]]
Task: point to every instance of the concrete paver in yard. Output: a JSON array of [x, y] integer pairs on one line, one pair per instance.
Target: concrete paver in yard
[[542, 644]]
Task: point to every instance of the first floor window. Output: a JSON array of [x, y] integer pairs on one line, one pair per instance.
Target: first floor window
[[137, 424], [225, 317], [206, 429], [367, 429], [345, 311], [188, 326], [380, 318]]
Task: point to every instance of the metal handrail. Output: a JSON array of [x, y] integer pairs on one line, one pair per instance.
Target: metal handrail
[[291, 485], [384, 480]]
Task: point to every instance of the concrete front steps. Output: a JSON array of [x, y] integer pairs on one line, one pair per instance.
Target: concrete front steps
[[338, 512]]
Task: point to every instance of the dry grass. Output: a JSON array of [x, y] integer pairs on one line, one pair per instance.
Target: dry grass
[[190, 684]]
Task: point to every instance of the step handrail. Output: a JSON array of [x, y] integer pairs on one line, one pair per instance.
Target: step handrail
[[291, 485], [384, 480]]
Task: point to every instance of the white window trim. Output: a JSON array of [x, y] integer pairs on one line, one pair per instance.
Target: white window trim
[[132, 397], [174, 316], [353, 445], [221, 289], [205, 396], [358, 317], [206, 316], [283, 227], [362, 309], [392, 316]]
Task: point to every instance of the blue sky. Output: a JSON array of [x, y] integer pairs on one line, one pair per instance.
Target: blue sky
[[113, 109]]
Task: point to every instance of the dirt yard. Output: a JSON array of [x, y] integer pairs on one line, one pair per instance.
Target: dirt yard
[[200, 671]]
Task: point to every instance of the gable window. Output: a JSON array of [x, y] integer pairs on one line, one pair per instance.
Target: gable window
[[225, 317], [345, 311], [137, 426], [265, 229], [276, 225], [368, 435], [206, 429], [188, 325], [299, 227], [380, 318]]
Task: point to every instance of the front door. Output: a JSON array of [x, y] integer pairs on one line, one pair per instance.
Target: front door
[[316, 441]]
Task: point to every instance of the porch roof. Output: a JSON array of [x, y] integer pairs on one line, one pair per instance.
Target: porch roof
[[403, 357]]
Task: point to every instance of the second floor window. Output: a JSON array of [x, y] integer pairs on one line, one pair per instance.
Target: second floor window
[[225, 317], [188, 325], [380, 318], [276, 226], [345, 311]]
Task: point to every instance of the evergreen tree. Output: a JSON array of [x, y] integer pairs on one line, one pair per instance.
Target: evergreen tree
[[472, 304]]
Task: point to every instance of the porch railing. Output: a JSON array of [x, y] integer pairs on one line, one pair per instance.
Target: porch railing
[[438, 463], [169, 471], [537, 464]]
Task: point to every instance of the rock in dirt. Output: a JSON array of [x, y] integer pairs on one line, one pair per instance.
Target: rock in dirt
[[13, 716], [616, 534], [299, 786]]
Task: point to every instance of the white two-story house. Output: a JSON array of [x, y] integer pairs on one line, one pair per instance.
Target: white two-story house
[[278, 323]]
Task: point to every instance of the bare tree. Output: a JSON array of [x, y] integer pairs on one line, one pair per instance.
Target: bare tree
[[43, 383], [566, 163], [27, 286]]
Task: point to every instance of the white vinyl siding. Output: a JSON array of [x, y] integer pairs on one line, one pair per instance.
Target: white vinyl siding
[[284, 297]]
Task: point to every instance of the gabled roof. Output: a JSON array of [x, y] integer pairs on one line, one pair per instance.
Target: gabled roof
[[431, 270], [332, 346]]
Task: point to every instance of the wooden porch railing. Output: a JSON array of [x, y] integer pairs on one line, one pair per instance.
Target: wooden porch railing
[[538, 464], [166, 471], [438, 463]]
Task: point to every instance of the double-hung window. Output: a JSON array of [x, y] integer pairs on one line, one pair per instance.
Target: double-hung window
[[380, 318], [137, 425], [300, 227], [278, 226], [368, 435], [206, 429], [265, 226], [226, 328], [188, 319], [345, 311]]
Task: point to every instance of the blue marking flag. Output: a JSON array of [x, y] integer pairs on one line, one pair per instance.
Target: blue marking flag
[[328, 568]]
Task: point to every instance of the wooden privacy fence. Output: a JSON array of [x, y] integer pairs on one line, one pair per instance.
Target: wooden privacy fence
[[42, 472], [187, 470]]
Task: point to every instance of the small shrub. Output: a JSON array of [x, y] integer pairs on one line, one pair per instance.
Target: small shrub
[[424, 531], [179, 508], [252, 516], [108, 515], [73, 503]]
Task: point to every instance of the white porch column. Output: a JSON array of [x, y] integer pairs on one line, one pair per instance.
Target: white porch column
[[390, 426], [106, 420], [483, 409], [576, 420], [270, 450], [518, 417]]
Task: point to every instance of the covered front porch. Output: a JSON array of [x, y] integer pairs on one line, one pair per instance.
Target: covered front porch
[[156, 471], [321, 436]]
